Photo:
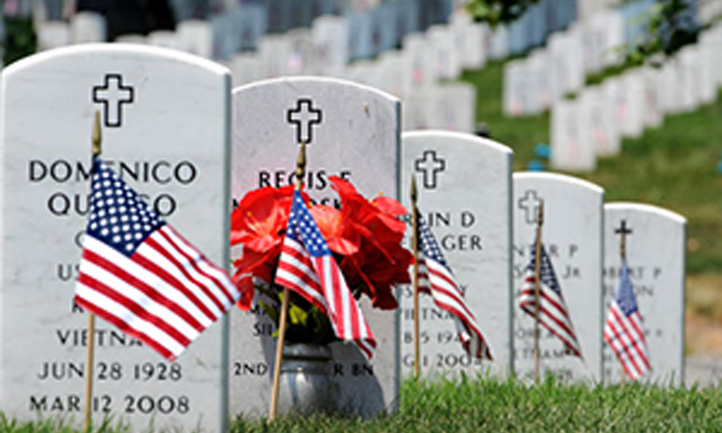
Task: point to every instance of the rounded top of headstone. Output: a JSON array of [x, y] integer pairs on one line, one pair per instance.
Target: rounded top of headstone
[[456, 137], [115, 50], [322, 82], [547, 176], [647, 208]]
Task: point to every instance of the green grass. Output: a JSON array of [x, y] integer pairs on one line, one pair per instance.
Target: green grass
[[674, 166], [53, 425], [493, 406]]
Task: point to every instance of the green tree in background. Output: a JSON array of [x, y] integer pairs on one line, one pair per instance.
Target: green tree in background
[[19, 40], [495, 12]]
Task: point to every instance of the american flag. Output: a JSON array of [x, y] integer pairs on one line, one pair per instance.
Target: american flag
[[436, 279], [139, 274], [307, 266], [553, 314], [623, 330]]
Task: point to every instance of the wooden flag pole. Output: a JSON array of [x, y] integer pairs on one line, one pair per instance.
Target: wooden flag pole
[[537, 294], [90, 358], [415, 248], [300, 172]]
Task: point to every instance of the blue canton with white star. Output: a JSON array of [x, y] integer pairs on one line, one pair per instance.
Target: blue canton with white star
[[546, 271], [118, 216], [429, 246], [303, 229], [625, 293]]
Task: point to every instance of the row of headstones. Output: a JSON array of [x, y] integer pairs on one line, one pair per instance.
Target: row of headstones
[[592, 124], [533, 84], [241, 26], [367, 31], [178, 135], [547, 75], [283, 15]]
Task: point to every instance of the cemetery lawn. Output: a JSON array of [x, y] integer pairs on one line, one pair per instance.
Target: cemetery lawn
[[674, 166], [496, 405]]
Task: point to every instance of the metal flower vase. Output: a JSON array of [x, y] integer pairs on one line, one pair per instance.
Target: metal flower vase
[[306, 384]]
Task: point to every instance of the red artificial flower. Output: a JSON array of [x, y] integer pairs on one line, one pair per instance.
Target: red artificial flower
[[261, 217], [340, 236], [381, 262], [259, 223]]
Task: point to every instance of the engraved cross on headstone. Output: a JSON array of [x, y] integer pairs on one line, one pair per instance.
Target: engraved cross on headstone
[[430, 166], [303, 117], [623, 230], [530, 204], [113, 94]]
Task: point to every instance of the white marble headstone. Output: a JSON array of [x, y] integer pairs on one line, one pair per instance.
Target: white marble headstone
[[352, 131], [87, 27], [571, 147], [391, 70], [414, 112], [611, 28], [538, 70], [450, 107], [196, 37], [53, 34], [572, 236], [689, 58], [712, 40], [445, 62], [330, 39], [165, 39], [574, 50], [609, 90], [707, 84], [514, 88], [599, 121], [630, 103], [418, 64], [274, 51], [301, 52], [246, 68], [652, 109], [165, 120], [591, 52], [671, 89], [464, 185], [469, 40], [559, 80], [656, 258]]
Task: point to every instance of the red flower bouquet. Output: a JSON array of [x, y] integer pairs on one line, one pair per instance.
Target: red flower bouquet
[[364, 235]]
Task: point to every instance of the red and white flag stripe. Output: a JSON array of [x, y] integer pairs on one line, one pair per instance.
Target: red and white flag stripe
[[165, 294], [320, 281], [624, 334], [437, 281], [553, 313]]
